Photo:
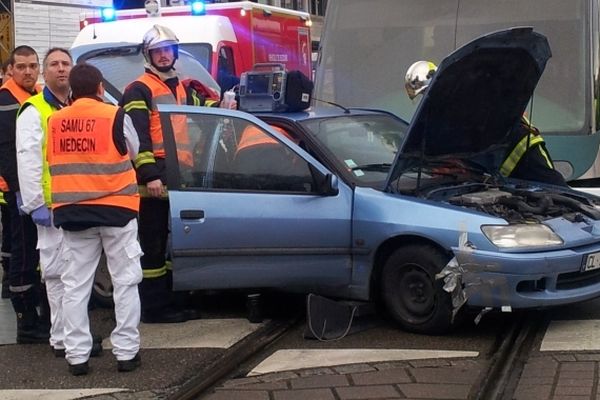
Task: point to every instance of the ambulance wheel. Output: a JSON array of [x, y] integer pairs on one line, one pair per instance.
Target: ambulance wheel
[[102, 291], [410, 292]]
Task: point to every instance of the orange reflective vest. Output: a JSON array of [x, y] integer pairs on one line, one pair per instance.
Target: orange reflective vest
[[162, 94], [21, 95], [254, 136], [18, 92], [85, 165]]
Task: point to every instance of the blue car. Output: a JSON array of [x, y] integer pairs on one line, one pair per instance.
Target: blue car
[[358, 204]]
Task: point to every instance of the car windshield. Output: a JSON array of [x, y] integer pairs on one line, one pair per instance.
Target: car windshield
[[363, 146], [122, 65]]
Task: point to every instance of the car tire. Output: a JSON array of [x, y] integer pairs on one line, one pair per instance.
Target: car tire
[[412, 295], [102, 291]]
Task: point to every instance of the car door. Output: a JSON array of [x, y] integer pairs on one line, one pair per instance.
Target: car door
[[250, 211]]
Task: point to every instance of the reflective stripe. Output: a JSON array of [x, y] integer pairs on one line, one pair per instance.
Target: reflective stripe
[[517, 153], [2, 199], [169, 265], [146, 157], [90, 168], [75, 197], [10, 107], [135, 105], [19, 289], [4, 254], [155, 273]]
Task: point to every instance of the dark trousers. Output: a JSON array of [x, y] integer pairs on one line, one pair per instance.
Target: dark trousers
[[24, 259], [6, 238], [153, 231]]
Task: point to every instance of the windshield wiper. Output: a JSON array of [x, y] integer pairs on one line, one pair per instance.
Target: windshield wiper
[[381, 167]]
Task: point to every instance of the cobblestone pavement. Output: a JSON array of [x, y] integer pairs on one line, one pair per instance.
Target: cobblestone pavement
[[422, 379], [560, 376]]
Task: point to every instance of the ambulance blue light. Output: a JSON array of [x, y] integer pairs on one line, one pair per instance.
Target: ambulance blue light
[[198, 8], [108, 14]]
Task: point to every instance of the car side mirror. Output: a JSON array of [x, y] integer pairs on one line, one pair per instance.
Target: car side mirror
[[328, 185]]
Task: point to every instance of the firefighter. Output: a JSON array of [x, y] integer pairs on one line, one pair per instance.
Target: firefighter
[[527, 157], [34, 182], [23, 276], [158, 84], [95, 201]]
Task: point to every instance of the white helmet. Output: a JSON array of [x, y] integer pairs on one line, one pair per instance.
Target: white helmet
[[418, 77], [159, 36]]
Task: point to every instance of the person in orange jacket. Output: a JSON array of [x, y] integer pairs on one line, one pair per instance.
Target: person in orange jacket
[[24, 278], [159, 84]]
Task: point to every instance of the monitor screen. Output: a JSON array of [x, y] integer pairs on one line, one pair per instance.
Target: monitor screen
[[258, 83]]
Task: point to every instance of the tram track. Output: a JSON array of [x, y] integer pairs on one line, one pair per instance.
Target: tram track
[[506, 364], [243, 350]]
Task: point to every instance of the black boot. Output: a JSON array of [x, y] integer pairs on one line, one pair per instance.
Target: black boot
[[5, 289], [28, 327]]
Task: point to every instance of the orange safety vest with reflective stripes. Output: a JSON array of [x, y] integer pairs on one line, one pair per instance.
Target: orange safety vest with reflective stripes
[[85, 165], [162, 94], [253, 136], [21, 95]]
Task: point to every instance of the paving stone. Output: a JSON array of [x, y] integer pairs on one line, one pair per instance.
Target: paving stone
[[577, 366], [575, 382], [444, 375], [368, 392], [535, 392], [561, 397], [429, 363], [353, 368], [389, 376], [468, 364], [312, 394], [319, 381], [587, 357], [565, 357], [277, 385], [435, 391], [531, 371], [577, 374], [238, 395], [278, 376], [315, 371], [239, 382], [389, 365], [573, 390], [542, 380]]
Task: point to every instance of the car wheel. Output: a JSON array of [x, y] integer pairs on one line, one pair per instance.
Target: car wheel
[[412, 295], [102, 291]]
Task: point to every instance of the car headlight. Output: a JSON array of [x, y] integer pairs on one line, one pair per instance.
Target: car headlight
[[523, 235]]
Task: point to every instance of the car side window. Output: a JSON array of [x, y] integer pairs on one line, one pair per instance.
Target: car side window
[[234, 154]]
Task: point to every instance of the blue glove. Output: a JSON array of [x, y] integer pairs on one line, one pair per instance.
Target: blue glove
[[41, 216], [19, 203]]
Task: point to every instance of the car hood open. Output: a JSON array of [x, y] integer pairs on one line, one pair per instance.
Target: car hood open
[[477, 95]]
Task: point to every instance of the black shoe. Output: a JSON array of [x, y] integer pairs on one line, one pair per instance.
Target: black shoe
[[96, 351], [165, 315], [96, 338], [58, 353], [79, 369], [129, 365]]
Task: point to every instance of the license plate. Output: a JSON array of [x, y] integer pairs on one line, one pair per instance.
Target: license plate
[[592, 262]]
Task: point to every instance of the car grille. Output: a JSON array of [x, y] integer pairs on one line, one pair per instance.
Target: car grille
[[574, 280]]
